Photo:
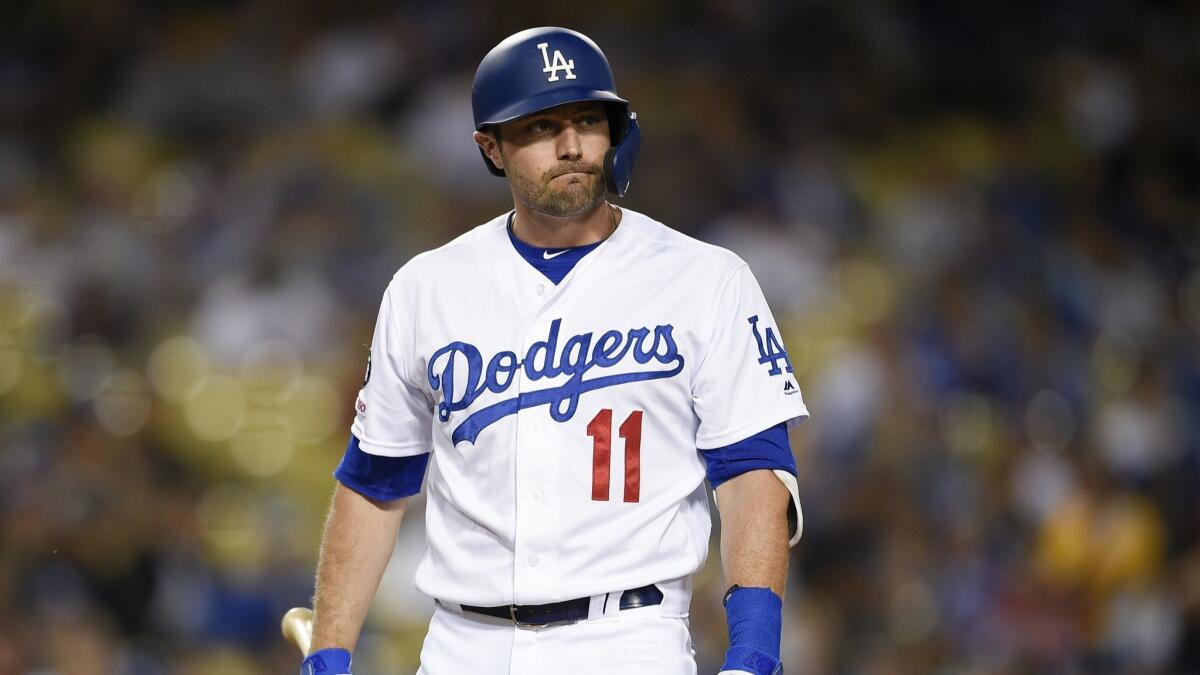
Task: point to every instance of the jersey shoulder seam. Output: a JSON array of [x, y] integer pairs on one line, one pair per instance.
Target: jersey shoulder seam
[[660, 233]]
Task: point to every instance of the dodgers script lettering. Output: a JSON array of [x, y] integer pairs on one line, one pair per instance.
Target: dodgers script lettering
[[579, 355]]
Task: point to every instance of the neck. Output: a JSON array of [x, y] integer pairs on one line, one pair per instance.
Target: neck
[[546, 231]]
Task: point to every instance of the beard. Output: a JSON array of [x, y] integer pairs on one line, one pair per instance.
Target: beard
[[567, 199]]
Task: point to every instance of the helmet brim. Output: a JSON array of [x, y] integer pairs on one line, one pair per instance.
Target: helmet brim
[[550, 99]]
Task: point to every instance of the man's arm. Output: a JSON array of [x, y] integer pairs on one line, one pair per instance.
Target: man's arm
[[754, 553], [360, 534], [754, 530]]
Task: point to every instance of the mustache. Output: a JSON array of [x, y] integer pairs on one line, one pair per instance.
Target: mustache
[[574, 167]]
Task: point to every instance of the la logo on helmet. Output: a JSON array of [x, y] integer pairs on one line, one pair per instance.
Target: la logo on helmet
[[560, 63]]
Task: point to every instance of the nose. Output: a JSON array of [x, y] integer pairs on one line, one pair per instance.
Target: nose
[[569, 147]]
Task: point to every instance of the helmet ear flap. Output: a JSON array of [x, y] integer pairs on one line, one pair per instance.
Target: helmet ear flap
[[620, 158], [618, 121]]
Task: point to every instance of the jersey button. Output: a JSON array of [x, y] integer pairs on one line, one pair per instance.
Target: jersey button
[[541, 288], [536, 425], [533, 561], [537, 495]]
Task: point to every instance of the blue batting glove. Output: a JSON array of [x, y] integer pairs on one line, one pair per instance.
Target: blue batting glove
[[330, 661], [755, 618]]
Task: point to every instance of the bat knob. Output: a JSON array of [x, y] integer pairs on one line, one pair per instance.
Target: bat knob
[[297, 627]]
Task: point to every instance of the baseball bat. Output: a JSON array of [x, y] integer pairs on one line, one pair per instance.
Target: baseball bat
[[297, 626]]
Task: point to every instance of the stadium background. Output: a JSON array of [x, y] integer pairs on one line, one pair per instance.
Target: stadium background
[[976, 223]]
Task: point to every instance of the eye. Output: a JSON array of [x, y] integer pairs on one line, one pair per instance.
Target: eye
[[589, 120], [541, 126]]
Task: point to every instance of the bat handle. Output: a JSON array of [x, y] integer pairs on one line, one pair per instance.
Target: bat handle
[[297, 626]]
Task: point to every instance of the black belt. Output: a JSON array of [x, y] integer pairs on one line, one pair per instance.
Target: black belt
[[567, 611]]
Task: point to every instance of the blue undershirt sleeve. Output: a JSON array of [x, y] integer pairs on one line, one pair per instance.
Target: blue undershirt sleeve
[[378, 477], [768, 449]]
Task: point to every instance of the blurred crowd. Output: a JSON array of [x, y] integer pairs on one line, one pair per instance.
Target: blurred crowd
[[978, 225]]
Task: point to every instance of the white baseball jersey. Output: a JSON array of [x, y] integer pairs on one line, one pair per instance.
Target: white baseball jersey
[[564, 420]]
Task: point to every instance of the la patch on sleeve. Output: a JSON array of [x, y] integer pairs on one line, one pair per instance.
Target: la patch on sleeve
[[772, 354]]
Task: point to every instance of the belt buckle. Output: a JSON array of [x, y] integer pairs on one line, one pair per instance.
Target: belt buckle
[[512, 613]]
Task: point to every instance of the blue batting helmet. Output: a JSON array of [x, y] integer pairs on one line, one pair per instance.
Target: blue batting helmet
[[540, 68]]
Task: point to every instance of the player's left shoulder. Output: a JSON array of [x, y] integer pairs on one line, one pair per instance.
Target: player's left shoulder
[[666, 241]]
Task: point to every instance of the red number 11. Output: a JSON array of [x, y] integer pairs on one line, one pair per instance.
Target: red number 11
[[600, 429]]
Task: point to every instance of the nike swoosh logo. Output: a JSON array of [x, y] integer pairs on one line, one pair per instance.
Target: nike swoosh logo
[[546, 255]]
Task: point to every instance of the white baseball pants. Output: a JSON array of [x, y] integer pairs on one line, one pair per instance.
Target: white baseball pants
[[642, 641]]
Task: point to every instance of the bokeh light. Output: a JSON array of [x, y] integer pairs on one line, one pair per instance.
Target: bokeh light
[[123, 403], [167, 197], [1049, 421], [175, 366], [315, 409], [215, 407], [43, 326], [263, 446]]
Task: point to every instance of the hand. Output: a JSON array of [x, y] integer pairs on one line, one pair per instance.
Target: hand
[[327, 662]]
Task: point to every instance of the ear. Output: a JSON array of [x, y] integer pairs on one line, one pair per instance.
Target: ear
[[490, 147]]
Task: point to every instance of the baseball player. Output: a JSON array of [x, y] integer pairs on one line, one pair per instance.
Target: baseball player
[[564, 379]]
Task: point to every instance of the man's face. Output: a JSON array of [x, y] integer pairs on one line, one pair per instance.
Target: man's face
[[554, 159]]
